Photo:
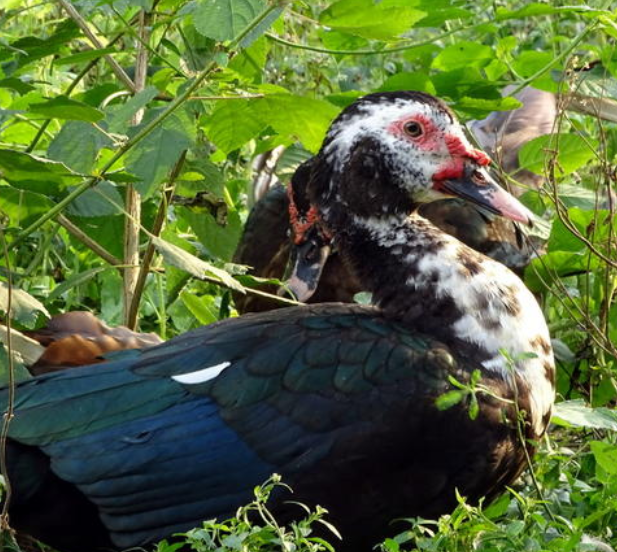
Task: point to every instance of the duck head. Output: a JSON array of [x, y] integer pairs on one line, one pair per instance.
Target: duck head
[[384, 156]]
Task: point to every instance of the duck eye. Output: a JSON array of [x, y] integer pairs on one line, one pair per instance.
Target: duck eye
[[413, 129]]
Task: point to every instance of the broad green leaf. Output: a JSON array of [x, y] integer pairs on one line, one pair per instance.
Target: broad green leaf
[[605, 455], [74, 281], [469, 82], [440, 11], [182, 259], [16, 84], [482, 105], [153, 157], [120, 116], [65, 108], [220, 240], [336, 40], [304, 119], [32, 48], [106, 231], [225, 19], [35, 174], [474, 54], [233, 123], [576, 413], [571, 150], [408, 81], [562, 238], [261, 27], [22, 207], [81, 57], [531, 62], [77, 145], [250, 62], [100, 201], [25, 309], [557, 264], [374, 20], [202, 308]]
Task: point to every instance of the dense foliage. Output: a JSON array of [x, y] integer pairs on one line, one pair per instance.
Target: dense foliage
[[131, 135]]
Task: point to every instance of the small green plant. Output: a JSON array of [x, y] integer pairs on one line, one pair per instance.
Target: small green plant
[[255, 529]]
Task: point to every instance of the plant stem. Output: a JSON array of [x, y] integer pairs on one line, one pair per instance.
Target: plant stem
[[83, 25], [8, 413], [132, 221], [87, 241], [157, 227], [372, 52]]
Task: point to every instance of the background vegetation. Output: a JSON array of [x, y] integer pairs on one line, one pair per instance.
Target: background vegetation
[[131, 134]]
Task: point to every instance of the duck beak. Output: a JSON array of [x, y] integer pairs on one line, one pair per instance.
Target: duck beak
[[477, 186], [310, 258]]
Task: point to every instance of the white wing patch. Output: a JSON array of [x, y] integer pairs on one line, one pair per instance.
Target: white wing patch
[[200, 376]]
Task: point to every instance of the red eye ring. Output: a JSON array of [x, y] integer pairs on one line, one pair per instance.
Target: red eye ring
[[413, 129]]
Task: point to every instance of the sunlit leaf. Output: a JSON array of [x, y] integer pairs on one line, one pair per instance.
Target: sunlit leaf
[[379, 20], [193, 265], [77, 145], [570, 151], [233, 123], [474, 54], [154, 157], [225, 19]]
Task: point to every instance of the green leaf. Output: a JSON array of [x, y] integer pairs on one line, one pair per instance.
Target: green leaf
[[304, 119], [202, 308], [474, 54], [557, 264], [22, 207], [81, 57], [374, 20], [77, 145], [233, 123], [62, 107], [225, 19], [449, 399], [100, 201], [25, 309], [13, 83], [571, 150], [482, 105], [120, 116], [408, 81], [179, 258], [531, 62], [605, 455], [36, 174], [220, 240], [153, 157], [576, 413]]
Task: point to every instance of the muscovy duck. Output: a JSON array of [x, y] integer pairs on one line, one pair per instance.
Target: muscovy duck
[[265, 245], [339, 399]]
